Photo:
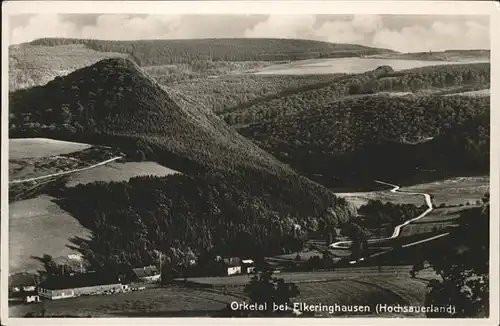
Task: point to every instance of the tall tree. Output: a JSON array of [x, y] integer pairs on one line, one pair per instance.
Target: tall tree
[[462, 262], [269, 290]]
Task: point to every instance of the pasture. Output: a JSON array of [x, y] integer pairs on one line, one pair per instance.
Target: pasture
[[316, 276], [115, 171], [435, 221], [155, 302], [37, 167], [364, 291], [359, 199], [453, 191], [477, 93], [367, 291], [39, 226], [22, 148], [345, 65]]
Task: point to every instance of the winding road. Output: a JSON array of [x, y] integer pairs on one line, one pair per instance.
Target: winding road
[[397, 229], [65, 172]]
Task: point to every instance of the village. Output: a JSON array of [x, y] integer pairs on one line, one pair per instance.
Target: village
[[27, 288]]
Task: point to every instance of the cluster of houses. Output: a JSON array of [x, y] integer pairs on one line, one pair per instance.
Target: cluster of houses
[[24, 286]]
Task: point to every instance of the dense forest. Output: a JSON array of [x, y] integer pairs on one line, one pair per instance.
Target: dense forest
[[316, 96], [114, 103], [164, 52], [368, 137], [435, 77], [205, 215], [378, 214]]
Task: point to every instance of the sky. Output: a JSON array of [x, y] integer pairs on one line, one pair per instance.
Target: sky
[[403, 33]]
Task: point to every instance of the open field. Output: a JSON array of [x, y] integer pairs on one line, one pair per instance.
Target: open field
[[36, 167], [361, 198], [22, 148], [38, 226], [364, 291], [360, 291], [306, 277], [119, 172], [477, 93], [443, 214], [349, 65], [454, 191], [156, 302], [32, 167], [438, 219]]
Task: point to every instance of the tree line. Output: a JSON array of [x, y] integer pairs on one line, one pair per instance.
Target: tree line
[[164, 52]]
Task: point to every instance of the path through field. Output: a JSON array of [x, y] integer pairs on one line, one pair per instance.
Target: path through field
[[65, 172], [397, 229]]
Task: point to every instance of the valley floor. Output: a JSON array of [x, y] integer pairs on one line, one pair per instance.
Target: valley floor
[[360, 286]]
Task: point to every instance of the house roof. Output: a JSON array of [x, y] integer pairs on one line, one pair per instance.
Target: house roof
[[145, 271], [79, 280], [21, 279]]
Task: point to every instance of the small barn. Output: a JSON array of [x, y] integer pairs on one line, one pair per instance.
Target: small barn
[[248, 266], [147, 273], [31, 297], [69, 286]]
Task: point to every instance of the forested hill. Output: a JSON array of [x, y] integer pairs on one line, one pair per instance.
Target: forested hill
[[375, 137], [113, 100], [162, 52], [230, 186]]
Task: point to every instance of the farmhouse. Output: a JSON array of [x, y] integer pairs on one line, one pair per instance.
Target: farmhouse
[[248, 266], [232, 266], [147, 273], [69, 286]]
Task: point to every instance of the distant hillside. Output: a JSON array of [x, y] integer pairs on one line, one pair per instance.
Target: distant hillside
[[448, 55], [37, 62], [37, 65], [375, 137], [162, 52], [319, 95], [229, 186]]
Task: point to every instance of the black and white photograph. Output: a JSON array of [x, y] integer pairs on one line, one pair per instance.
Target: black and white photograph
[[326, 164]]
